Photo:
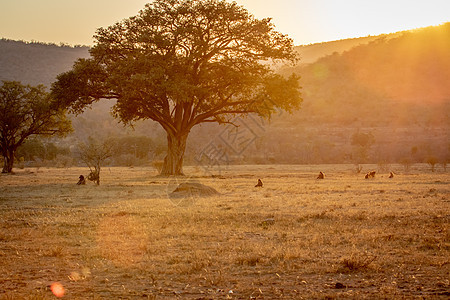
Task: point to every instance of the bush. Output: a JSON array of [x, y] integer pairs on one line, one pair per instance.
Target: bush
[[356, 262], [432, 161], [21, 163], [63, 161], [158, 165], [384, 166], [406, 162]]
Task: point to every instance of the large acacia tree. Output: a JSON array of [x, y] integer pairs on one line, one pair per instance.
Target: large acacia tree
[[182, 63], [26, 111]]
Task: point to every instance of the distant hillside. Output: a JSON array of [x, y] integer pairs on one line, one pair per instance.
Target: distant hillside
[[36, 63], [387, 76], [396, 87], [310, 53]]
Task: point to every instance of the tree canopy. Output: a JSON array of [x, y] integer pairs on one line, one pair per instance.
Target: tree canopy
[[94, 154], [25, 111], [183, 63]]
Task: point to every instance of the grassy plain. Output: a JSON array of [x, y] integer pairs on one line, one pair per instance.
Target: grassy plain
[[297, 237]]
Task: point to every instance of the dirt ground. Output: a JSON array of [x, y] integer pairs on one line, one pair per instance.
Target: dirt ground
[[297, 237]]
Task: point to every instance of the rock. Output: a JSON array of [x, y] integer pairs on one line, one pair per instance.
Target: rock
[[339, 285], [193, 189], [267, 222]]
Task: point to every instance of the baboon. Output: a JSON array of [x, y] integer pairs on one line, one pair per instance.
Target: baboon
[[321, 176], [371, 174], [259, 184], [391, 175], [82, 180]]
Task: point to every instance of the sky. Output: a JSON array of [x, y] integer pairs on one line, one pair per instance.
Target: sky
[[74, 22]]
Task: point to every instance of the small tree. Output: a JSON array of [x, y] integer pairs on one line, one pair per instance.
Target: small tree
[[362, 143], [358, 168], [182, 63], [406, 162], [432, 161], [26, 111], [94, 154]]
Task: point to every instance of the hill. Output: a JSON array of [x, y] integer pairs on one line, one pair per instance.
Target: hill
[[395, 87], [409, 71], [36, 63], [312, 52]]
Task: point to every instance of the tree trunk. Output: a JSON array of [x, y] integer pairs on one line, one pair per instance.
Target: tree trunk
[[8, 157], [173, 162], [98, 176], [95, 175]]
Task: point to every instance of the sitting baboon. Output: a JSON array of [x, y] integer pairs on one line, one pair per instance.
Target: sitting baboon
[[82, 180], [391, 175], [371, 174], [321, 176], [259, 184]]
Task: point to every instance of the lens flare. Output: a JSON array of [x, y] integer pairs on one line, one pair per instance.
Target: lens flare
[[57, 289]]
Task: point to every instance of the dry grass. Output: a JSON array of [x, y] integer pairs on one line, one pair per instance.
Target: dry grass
[[297, 237]]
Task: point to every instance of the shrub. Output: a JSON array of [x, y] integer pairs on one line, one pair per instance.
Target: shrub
[[158, 165], [432, 161], [356, 262]]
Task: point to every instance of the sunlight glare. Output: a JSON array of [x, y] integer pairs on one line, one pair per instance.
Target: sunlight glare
[[57, 289]]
